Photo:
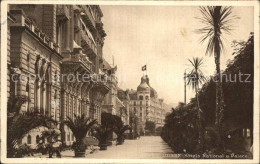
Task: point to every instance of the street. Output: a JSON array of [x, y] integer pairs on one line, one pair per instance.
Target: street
[[147, 147]]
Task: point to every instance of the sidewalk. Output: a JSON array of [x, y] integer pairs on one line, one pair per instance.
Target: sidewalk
[[147, 147]]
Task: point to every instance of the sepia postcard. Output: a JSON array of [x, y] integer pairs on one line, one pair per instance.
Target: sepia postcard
[[129, 81]]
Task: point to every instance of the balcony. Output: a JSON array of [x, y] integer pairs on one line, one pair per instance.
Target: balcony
[[82, 59], [63, 12], [88, 44], [100, 86], [77, 62], [100, 29], [22, 21], [88, 18]]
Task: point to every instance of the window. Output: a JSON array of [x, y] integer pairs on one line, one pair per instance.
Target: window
[[141, 103], [55, 77], [141, 98], [37, 139], [146, 103], [147, 97], [135, 109], [27, 89], [55, 103], [29, 139], [68, 137], [134, 103]]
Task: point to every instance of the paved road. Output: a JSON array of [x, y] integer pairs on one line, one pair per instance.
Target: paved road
[[147, 147]]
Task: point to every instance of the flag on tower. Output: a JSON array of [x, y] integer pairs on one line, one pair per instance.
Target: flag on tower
[[144, 68]]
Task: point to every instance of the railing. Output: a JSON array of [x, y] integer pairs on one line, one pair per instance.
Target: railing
[[82, 58], [89, 42], [88, 15], [22, 20]]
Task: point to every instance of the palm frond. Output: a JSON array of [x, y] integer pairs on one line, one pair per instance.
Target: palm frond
[[80, 125], [195, 77], [217, 20]]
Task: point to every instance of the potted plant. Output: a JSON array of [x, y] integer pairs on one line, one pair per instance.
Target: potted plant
[[120, 130], [52, 144], [102, 133], [79, 126]]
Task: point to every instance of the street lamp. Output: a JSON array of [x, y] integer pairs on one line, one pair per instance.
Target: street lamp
[[185, 85]]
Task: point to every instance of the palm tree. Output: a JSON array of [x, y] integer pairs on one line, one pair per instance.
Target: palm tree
[[217, 20], [79, 126], [19, 124], [103, 133], [120, 130], [194, 78], [53, 142]]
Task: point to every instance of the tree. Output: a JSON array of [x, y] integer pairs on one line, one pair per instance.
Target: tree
[[104, 131], [135, 124], [119, 129], [195, 78], [180, 131], [120, 133], [217, 20], [79, 126], [150, 125], [21, 123], [50, 142]]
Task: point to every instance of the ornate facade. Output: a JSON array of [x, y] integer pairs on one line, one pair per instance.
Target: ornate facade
[[144, 103], [113, 102], [51, 47]]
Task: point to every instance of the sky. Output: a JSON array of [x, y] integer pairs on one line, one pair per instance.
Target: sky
[[163, 38]]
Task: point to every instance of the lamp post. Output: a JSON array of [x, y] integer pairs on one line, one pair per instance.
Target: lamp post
[[185, 85]]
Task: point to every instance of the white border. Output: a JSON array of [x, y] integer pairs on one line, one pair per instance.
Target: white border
[[256, 154]]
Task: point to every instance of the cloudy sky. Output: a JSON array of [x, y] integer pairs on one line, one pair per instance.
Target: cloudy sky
[[163, 38]]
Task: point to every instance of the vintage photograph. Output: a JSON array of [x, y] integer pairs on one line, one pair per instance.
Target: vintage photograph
[[104, 81]]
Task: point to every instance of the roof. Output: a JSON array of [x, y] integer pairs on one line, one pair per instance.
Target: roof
[[133, 96], [122, 95], [106, 65], [143, 86]]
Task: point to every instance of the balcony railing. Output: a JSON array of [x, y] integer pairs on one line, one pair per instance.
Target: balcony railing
[[89, 43], [87, 16], [83, 59], [23, 21]]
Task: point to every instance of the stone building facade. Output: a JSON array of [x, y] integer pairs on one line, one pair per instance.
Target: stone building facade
[[112, 102], [145, 104], [48, 47]]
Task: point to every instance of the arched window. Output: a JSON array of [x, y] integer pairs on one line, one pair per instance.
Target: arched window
[[141, 98], [147, 97], [29, 139], [37, 139]]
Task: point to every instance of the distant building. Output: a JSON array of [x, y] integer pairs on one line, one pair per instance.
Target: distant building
[[145, 104], [112, 102]]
